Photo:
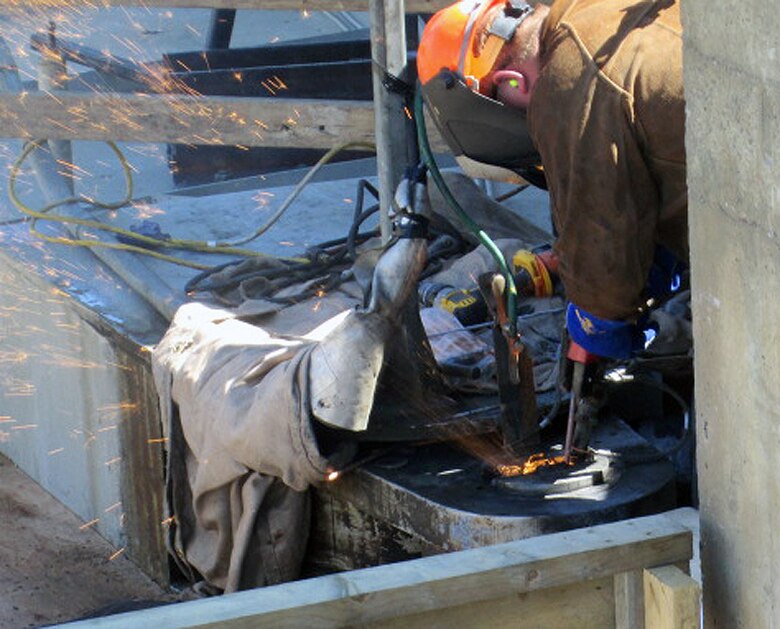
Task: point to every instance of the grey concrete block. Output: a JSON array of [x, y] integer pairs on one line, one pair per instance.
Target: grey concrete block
[[742, 35]]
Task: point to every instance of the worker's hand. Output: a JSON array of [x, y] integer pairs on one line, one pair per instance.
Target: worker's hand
[[666, 275], [609, 339], [672, 324]]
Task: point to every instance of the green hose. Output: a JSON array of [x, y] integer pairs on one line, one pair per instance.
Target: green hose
[[430, 162]]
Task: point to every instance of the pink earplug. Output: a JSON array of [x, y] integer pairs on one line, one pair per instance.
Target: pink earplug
[[511, 88]]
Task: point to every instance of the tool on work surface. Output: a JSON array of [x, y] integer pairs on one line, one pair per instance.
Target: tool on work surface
[[514, 370], [467, 305], [580, 359], [532, 275]]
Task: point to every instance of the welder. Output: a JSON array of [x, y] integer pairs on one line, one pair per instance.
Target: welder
[[589, 92]]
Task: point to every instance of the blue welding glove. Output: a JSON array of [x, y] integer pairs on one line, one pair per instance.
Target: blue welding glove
[[610, 339], [665, 277]]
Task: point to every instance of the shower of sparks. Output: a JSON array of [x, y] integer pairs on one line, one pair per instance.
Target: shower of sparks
[[75, 23], [159, 440], [118, 407], [116, 554], [145, 210], [17, 388], [115, 365], [89, 524], [14, 357], [263, 198]]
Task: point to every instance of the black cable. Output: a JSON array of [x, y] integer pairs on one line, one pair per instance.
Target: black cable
[[510, 194], [638, 459], [324, 264]]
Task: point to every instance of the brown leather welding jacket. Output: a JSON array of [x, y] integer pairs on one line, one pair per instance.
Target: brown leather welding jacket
[[608, 117]]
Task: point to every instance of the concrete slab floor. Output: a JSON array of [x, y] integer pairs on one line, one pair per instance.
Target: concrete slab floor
[[54, 570]]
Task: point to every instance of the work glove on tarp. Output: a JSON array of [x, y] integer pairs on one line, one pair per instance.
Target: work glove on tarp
[[346, 364]]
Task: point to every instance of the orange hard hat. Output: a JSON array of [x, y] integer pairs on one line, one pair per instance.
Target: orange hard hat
[[487, 137], [448, 42]]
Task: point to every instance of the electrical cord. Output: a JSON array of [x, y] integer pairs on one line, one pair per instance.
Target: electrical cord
[[322, 269], [485, 240], [297, 190], [508, 195], [44, 214], [638, 459], [225, 248]]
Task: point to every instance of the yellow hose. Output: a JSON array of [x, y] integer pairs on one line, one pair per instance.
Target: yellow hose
[[188, 245]]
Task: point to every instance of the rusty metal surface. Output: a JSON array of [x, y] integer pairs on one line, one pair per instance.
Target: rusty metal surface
[[142, 479]]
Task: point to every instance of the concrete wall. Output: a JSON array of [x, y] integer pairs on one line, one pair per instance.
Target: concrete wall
[[733, 137]]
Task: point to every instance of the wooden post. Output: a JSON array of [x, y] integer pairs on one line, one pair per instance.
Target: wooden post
[[388, 46], [629, 600], [671, 599], [560, 580]]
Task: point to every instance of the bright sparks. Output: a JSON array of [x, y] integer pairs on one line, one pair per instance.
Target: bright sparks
[[531, 465]]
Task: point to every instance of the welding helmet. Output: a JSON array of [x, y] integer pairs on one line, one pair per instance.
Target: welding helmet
[[488, 138]]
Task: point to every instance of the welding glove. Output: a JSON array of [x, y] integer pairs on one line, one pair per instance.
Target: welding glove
[[346, 364], [674, 335], [623, 339], [605, 338], [666, 275]]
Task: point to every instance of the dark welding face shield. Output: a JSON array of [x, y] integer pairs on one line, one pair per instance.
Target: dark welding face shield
[[489, 139]]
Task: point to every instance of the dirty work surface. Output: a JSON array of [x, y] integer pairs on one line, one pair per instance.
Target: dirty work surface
[[52, 571]]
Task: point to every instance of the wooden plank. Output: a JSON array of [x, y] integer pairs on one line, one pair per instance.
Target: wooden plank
[[434, 583], [585, 605], [412, 6], [671, 599], [218, 120], [629, 600], [186, 119]]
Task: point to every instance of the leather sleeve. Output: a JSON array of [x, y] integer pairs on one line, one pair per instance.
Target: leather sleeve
[[596, 119]]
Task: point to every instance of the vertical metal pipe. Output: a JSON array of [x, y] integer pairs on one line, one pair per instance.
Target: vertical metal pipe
[[388, 52], [222, 22], [52, 77]]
